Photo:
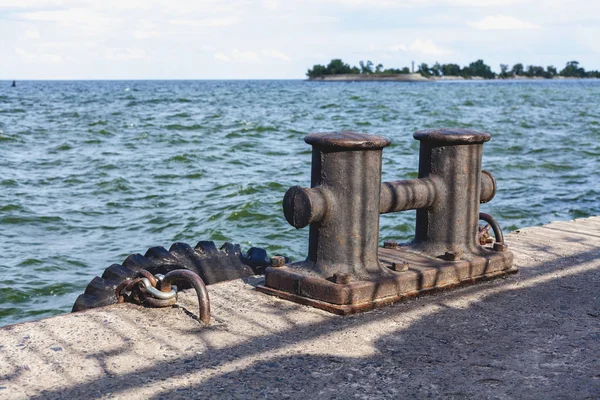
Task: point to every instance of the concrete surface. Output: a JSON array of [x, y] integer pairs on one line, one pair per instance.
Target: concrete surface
[[534, 335]]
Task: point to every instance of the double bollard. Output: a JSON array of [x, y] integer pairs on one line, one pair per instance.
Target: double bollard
[[346, 271]]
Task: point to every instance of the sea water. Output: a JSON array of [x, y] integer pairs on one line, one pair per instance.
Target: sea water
[[91, 171]]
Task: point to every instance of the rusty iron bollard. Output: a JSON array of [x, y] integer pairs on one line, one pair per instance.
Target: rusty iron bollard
[[447, 192], [345, 272], [342, 205]]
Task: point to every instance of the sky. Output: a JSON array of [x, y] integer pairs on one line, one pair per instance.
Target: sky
[[281, 39]]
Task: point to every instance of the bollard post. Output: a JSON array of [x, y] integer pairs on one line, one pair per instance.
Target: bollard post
[[447, 192], [342, 205], [453, 158], [345, 272]]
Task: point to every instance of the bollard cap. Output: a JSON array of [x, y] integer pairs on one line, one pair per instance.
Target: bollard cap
[[452, 136], [347, 140]]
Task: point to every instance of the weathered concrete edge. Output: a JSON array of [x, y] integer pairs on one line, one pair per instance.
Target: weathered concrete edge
[[128, 350]]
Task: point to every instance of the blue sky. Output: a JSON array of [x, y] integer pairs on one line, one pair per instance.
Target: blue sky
[[231, 39]]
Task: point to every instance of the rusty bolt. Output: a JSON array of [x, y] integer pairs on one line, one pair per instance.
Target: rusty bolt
[[341, 278], [400, 266], [277, 261], [452, 255], [390, 244], [500, 247]]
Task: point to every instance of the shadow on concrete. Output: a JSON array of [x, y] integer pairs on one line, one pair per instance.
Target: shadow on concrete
[[536, 335]]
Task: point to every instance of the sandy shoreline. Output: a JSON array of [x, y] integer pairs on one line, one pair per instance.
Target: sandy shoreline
[[419, 78], [372, 77]]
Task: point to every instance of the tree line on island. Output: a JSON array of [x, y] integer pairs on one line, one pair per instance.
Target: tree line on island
[[475, 69]]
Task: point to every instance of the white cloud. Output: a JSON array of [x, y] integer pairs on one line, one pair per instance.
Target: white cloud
[[587, 36], [78, 21], [143, 34], [138, 5], [71, 15], [316, 30], [207, 23], [502, 22], [44, 58], [245, 56], [221, 57], [70, 45], [425, 47], [28, 3], [483, 3], [354, 3], [275, 54], [237, 55], [395, 4], [399, 47], [126, 54], [146, 29], [270, 4], [428, 47], [32, 34]]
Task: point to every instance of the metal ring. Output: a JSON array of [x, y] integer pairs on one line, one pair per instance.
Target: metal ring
[[198, 284], [495, 227], [148, 276], [154, 292], [126, 286], [158, 303]]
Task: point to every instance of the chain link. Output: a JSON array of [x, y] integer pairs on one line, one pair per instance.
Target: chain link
[[156, 290]]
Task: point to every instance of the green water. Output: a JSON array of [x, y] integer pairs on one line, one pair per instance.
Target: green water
[[94, 171]]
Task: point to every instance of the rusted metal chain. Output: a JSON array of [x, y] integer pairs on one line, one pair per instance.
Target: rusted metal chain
[[156, 291], [126, 286], [198, 284], [149, 276], [483, 235]]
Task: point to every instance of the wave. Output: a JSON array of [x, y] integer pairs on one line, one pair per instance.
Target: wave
[[13, 111], [179, 127]]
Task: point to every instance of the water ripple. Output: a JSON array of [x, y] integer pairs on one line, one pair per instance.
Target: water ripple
[[93, 171]]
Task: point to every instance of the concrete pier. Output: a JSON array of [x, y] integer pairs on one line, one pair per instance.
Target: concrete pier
[[533, 335]]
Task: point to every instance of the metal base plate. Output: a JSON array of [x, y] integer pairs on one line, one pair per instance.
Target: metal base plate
[[425, 274]]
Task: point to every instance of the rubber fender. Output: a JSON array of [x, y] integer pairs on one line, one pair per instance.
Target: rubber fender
[[212, 264], [258, 260]]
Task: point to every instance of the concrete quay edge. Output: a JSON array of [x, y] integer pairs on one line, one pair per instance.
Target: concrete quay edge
[[532, 335]]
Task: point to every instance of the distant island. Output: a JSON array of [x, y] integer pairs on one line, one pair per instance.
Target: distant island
[[337, 70]]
